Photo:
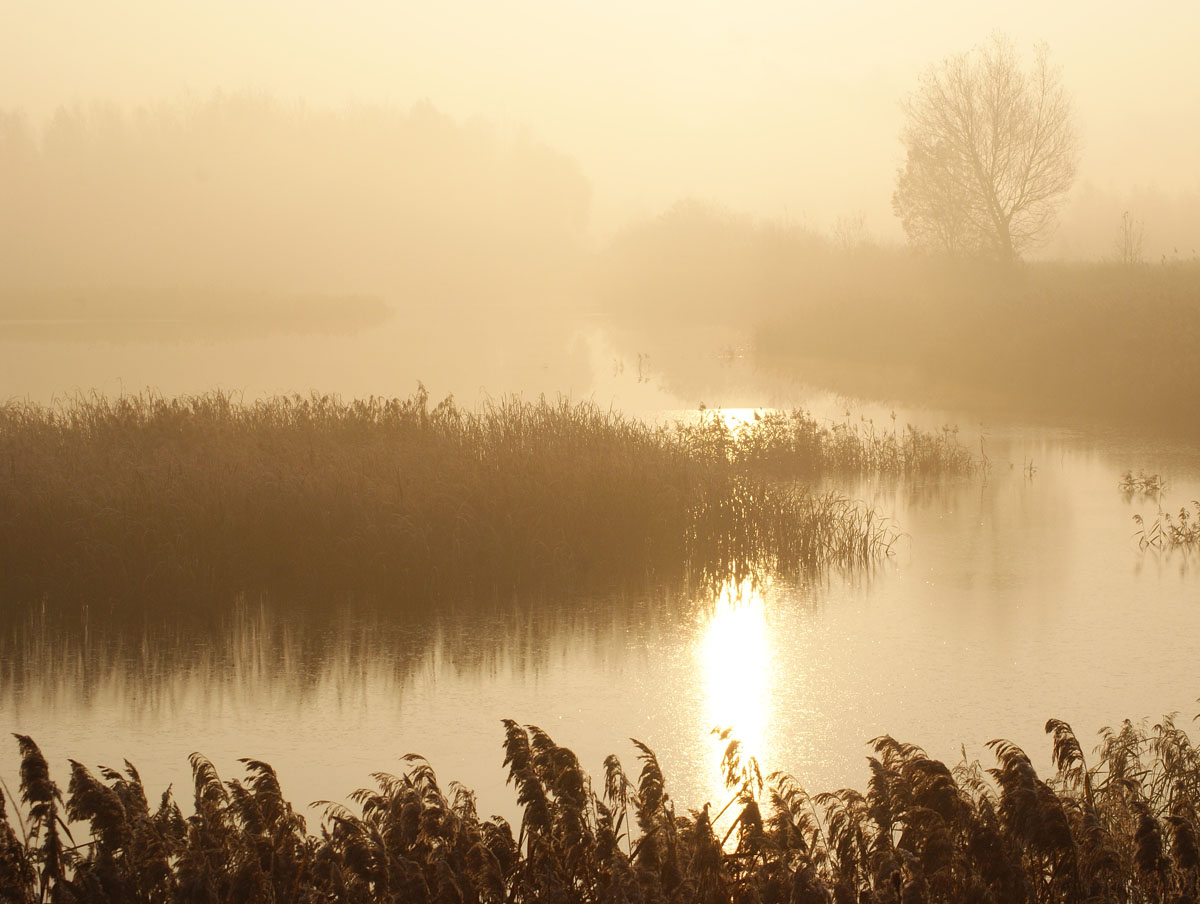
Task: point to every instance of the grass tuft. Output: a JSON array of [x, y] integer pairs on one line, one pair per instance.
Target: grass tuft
[[1141, 484], [1168, 532]]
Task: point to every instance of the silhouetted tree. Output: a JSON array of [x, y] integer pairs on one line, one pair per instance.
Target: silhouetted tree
[[991, 151]]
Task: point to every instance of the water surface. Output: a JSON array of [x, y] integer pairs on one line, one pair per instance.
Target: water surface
[[1013, 596]]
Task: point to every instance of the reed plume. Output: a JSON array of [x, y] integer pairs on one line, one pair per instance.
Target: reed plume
[[1120, 827]]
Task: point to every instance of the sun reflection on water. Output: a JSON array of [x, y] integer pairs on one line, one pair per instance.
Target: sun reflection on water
[[735, 656]]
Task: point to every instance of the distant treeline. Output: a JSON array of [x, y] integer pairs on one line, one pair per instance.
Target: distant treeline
[[1120, 826], [139, 501], [1108, 342], [245, 194]]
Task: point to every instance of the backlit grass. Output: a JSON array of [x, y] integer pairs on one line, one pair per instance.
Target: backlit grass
[[133, 501], [1116, 825], [1170, 532]]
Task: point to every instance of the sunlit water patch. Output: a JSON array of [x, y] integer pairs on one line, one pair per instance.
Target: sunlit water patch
[[734, 659]]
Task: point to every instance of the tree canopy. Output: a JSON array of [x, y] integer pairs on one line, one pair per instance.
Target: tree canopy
[[991, 152]]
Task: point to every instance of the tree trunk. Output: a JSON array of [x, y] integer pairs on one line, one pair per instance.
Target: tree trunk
[[1004, 245]]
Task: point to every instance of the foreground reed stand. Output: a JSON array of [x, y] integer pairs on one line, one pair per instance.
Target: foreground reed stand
[[1120, 828]]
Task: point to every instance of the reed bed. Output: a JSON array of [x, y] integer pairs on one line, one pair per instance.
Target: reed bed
[[142, 499], [1171, 532], [795, 444], [1141, 484], [1119, 828]]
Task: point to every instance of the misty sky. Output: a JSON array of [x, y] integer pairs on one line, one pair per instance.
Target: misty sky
[[777, 108]]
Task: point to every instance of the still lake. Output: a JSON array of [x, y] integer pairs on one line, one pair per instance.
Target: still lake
[[1013, 596]]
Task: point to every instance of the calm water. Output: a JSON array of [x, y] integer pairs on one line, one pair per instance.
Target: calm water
[[1012, 597]]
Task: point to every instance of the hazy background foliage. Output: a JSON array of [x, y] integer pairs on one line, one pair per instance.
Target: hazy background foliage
[[242, 192]]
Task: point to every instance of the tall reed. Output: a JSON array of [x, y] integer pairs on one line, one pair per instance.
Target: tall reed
[[1171, 532], [136, 500], [1119, 826]]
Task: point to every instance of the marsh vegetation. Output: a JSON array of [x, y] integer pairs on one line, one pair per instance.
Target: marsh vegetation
[[131, 502], [1142, 484], [1180, 531], [1116, 825]]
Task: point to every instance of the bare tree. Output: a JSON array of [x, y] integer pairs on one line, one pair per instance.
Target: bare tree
[[991, 152], [1129, 240]]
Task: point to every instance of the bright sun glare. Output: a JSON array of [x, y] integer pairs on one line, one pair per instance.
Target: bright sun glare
[[735, 659]]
